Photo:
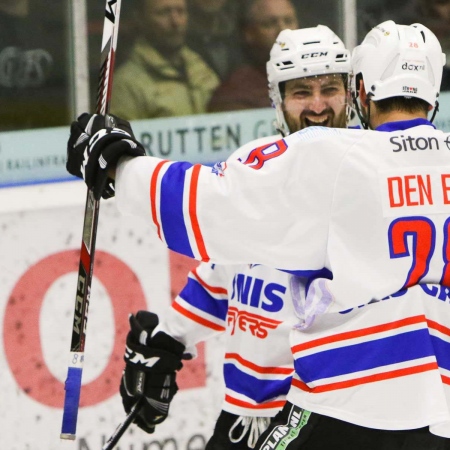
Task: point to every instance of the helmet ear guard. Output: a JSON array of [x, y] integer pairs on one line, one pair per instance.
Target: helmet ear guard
[[303, 53], [399, 61]]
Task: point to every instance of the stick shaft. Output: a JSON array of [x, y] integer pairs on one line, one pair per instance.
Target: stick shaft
[[86, 265], [114, 439]]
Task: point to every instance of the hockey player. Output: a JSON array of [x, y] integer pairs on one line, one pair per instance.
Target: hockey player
[[369, 229], [250, 301]]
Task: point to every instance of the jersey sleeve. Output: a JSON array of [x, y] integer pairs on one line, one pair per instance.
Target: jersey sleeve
[[200, 309], [265, 206]]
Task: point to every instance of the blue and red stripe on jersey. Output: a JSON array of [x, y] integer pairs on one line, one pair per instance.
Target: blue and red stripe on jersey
[[173, 187], [367, 355], [203, 298], [256, 383]]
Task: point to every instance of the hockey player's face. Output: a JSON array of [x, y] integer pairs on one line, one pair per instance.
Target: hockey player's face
[[315, 101]]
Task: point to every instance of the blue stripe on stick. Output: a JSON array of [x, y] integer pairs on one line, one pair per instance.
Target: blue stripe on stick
[[72, 401]]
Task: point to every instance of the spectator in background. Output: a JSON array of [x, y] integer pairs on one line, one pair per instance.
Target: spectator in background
[[31, 94], [246, 87], [212, 33], [162, 77]]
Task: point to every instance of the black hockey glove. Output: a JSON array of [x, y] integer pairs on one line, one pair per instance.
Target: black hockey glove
[[93, 148], [159, 357]]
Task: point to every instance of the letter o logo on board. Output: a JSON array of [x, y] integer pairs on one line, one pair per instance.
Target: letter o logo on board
[[21, 335]]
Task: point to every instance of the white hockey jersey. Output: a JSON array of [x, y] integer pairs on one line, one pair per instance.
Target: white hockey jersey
[[364, 215], [253, 305]]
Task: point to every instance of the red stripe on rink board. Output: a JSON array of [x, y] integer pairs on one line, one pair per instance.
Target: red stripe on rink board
[[193, 213], [259, 369], [198, 319], [213, 289], [153, 186], [365, 380], [359, 333], [268, 405]]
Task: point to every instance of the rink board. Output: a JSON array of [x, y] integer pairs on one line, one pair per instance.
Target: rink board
[[133, 270]]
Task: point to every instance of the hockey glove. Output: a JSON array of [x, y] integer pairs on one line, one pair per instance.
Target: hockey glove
[[93, 148], [159, 357]]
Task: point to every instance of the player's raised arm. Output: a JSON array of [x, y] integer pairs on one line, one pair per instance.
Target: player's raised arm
[[245, 210]]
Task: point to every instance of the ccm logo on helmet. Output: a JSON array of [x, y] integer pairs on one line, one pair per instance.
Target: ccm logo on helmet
[[314, 55], [413, 67]]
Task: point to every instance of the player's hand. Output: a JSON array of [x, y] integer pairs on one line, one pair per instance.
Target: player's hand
[[93, 149], [159, 357]]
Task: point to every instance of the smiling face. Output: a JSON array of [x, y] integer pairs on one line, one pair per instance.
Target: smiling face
[[315, 101]]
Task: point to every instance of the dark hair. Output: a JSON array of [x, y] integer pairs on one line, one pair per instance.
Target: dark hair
[[245, 16], [246, 13], [406, 104]]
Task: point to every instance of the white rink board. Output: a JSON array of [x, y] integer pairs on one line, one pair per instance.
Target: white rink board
[[41, 236]]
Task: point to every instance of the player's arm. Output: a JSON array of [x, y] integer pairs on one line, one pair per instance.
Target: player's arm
[[255, 209], [199, 311], [229, 214]]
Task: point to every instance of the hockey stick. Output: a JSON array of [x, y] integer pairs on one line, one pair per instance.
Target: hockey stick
[[91, 213], [112, 441]]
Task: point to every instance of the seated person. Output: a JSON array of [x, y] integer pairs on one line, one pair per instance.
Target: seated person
[[246, 87], [212, 29], [162, 77]]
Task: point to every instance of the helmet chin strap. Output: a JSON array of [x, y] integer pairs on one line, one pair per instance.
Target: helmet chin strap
[[280, 122], [280, 128], [435, 111], [282, 131], [364, 122]]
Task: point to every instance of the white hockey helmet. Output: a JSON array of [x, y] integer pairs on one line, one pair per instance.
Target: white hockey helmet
[[399, 61], [303, 53]]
